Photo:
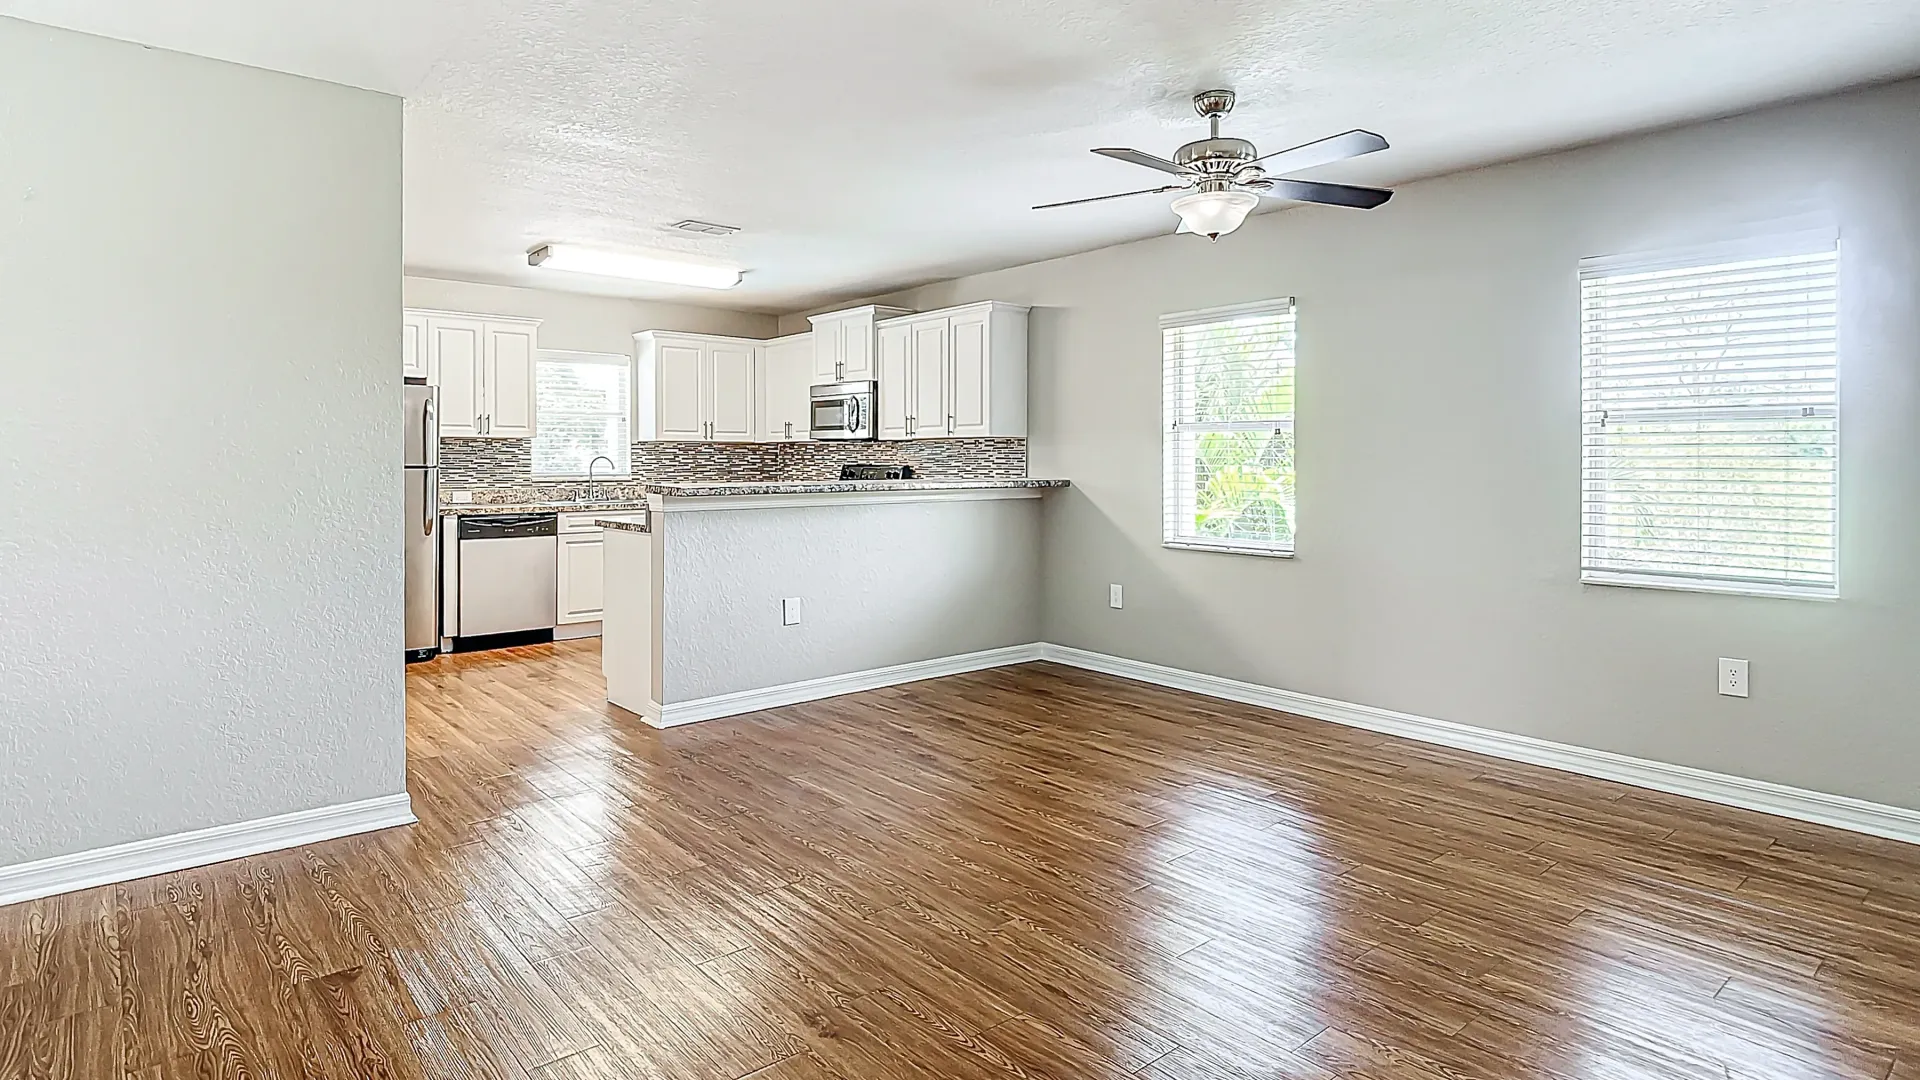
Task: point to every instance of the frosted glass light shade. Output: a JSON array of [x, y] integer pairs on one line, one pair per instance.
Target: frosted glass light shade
[[633, 265], [1214, 214]]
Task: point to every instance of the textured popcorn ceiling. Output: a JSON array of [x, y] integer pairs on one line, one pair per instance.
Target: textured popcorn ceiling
[[868, 144]]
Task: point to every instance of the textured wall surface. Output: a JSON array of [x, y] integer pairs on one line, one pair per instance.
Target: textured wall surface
[[200, 567], [1439, 450], [879, 584]]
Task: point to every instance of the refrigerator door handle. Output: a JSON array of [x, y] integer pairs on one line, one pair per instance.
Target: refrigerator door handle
[[430, 433], [429, 508]]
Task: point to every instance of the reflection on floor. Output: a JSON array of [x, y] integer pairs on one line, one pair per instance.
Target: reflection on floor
[[1030, 872]]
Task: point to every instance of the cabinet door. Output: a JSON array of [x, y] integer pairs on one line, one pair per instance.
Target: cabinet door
[[509, 381], [826, 350], [455, 352], [969, 392], [786, 373], [582, 577], [856, 350], [927, 401], [730, 384], [413, 348], [680, 379], [896, 381]]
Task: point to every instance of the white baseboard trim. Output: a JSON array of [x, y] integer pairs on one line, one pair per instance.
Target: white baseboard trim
[[164, 854], [1819, 808], [745, 701]]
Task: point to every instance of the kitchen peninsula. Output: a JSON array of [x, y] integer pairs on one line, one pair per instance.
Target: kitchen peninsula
[[738, 596]]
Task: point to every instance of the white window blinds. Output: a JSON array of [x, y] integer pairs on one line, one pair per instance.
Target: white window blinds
[[583, 401], [1710, 417], [1228, 395]]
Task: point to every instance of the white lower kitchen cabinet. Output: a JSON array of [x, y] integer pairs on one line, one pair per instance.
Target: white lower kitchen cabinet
[[957, 373], [786, 379], [582, 566], [695, 388], [582, 577]]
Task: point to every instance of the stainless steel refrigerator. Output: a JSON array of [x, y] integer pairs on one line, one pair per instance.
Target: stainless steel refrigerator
[[421, 471]]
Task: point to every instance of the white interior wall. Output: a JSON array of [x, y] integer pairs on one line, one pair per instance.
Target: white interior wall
[[879, 584], [1439, 442], [200, 562], [584, 323]]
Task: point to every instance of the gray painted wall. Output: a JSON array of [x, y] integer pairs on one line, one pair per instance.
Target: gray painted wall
[[200, 562], [584, 323], [1439, 442], [867, 598]]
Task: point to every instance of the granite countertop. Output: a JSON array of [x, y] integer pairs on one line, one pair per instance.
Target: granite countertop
[[625, 526], [609, 506], [831, 487]]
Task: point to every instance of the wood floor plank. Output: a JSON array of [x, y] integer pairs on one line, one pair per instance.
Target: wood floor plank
[[1028, 873]]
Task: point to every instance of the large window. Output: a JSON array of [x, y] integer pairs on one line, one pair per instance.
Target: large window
[[1710, 416], [583, 401], [1229, 429]]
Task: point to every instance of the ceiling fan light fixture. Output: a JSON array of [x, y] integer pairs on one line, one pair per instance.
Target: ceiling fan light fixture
[[1214, 214], [634, 266]]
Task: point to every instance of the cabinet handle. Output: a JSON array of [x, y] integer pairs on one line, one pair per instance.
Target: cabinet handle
[[949, 423]]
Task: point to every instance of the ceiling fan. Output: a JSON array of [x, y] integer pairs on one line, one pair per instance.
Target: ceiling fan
[[1228, 176]]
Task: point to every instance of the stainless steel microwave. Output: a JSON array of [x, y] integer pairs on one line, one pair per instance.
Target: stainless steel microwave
[[842, 411]]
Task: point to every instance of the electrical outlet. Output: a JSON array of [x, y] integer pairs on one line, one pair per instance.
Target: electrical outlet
[[459, 497], [1733, 677], [790, 611], [1113, 596]]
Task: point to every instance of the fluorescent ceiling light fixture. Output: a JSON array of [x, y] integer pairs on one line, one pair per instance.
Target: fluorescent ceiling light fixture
[[619, 264], [1214, 214]]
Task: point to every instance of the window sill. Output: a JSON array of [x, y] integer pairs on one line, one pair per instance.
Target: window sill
[[1719, 588], [1227, 549]]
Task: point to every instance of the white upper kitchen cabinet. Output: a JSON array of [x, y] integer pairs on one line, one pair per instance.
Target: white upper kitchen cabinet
[[695, 388], [413, 347], [678, 366], [895, 346], [786, 376], [844, 343], [455, 347], [956, 373], [483, 367], [510, 379]]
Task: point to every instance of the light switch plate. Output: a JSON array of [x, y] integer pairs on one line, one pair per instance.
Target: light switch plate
[[790, 611], [1733, 677]]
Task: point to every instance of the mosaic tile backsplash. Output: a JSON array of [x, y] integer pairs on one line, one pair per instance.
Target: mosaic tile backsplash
[[490, 463]]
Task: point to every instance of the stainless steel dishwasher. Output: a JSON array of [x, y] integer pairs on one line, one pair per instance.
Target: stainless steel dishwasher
[[509, 574]]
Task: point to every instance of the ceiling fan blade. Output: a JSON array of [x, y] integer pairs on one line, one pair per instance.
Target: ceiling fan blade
[[1322, 152], [1104, 198], [1363, 198], [1141, 157]]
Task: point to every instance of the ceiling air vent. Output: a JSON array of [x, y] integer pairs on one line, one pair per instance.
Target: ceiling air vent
[[704, 228]]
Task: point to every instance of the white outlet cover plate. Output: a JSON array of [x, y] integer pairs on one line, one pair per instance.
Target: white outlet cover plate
[[790, 611], [1113, 596], [1733, 677]]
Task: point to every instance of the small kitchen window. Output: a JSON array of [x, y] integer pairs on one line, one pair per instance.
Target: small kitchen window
[[1228, 396], [584, 405]]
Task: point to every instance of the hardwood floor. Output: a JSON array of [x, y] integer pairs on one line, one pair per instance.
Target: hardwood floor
[[1029, 872]]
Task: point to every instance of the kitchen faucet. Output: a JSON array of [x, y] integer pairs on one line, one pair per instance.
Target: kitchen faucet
[[590, 466]]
